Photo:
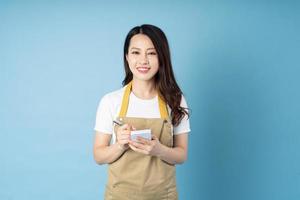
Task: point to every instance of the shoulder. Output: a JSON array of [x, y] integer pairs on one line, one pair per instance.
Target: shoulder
[[110, 102], [106, 111]]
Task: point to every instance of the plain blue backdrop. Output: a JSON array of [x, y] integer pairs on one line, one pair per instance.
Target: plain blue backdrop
[[236, 61]]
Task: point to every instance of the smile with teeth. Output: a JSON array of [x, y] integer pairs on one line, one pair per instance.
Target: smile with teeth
[[143, 69]]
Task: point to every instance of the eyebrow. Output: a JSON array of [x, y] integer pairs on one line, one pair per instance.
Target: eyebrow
[[140, 49]]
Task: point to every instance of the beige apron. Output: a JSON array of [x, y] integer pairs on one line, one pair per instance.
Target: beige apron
[[137, 176]]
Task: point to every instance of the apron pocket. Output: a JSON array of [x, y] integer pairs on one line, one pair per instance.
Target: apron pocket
[[166, 137]]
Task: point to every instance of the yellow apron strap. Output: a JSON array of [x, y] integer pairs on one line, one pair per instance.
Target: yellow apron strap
[[162, 108], [125, 102]]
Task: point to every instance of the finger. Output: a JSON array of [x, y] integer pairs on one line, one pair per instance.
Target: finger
[[124, 136], [125, 132], [143, 140], [123, 142], [125, 127], [138, 150], [123, 139], [154, 137], [139, 145]]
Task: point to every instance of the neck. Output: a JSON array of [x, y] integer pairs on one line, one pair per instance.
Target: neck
[[144, 89]]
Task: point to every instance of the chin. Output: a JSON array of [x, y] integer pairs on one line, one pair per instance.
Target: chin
[[144, 78]]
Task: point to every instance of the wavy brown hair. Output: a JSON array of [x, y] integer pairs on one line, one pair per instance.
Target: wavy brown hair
[[164, 78]]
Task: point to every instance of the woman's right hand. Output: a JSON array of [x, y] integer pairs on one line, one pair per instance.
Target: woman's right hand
[[123, 136]]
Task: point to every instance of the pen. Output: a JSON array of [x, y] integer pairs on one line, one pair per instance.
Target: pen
[[118, 122]]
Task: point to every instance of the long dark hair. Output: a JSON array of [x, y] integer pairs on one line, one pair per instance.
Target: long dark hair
[[164, 78]]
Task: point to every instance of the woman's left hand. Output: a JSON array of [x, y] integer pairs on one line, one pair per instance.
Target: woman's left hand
[[148, 147]]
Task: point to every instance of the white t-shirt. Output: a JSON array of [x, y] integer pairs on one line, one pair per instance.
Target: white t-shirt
[[110, 105]]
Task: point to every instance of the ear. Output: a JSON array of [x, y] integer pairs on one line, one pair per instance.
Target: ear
[[126, 55]]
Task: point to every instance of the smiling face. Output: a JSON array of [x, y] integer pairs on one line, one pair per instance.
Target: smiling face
[[142, 58]]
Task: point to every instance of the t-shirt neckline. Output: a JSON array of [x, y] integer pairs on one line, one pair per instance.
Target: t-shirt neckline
[[154, 99]]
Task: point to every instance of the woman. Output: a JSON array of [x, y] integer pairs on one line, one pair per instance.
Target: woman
[[150, 99]]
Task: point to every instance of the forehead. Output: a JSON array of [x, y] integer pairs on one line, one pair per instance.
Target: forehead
[[141, 41]]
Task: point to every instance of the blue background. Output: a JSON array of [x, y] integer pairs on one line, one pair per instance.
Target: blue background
[[236, 61]]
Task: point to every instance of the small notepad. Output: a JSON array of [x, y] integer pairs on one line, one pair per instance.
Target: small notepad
[[146, 133]]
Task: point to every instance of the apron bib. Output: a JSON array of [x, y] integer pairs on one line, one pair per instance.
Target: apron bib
[[138, 176]]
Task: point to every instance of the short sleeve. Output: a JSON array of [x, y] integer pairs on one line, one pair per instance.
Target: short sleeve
[[104, 117], [184, 125]]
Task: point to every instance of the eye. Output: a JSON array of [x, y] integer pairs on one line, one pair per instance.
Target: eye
[[135, 52], [152, 53]]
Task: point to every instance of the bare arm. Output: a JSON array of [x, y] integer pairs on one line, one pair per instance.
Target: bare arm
[[105, 153], [177, 154]]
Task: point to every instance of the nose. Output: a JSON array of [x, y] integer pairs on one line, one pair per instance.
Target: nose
[[144, 59]]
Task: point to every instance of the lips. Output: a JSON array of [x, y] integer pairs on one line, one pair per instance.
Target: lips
[[143, 70]]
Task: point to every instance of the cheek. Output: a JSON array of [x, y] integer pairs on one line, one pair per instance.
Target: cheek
[[131, 62], [155, 63], [153, 59]]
